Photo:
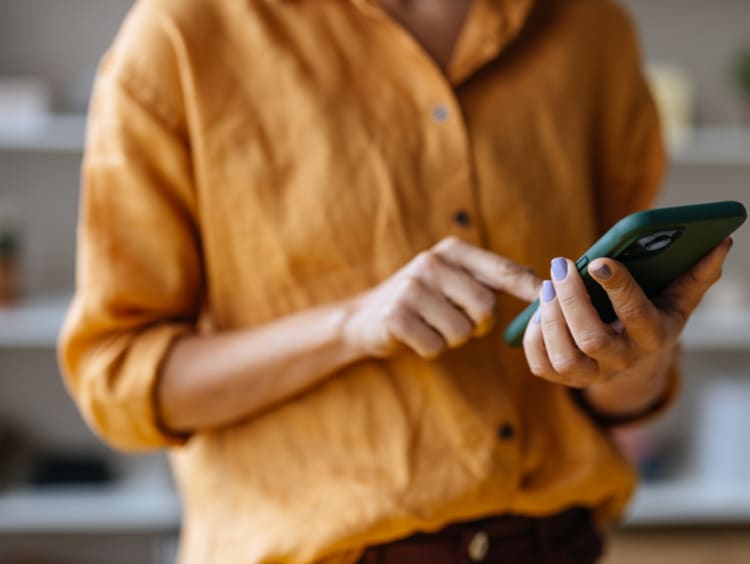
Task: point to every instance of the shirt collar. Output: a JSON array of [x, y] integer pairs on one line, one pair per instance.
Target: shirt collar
[[489, 27]]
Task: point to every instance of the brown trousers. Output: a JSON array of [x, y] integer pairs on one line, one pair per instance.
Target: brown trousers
[[570, 537]]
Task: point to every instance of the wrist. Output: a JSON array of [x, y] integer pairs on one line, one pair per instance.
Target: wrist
[[635, 390], [348, 333]]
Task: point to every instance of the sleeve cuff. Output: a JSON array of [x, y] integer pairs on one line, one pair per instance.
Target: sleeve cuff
[[118, 389]]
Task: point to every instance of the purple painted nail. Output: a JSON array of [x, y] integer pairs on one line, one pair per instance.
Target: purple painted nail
[[603, 272], [548, 291], [559, 268], [538, 316]]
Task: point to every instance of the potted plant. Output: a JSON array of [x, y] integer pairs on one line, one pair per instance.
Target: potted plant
[[742, 77]]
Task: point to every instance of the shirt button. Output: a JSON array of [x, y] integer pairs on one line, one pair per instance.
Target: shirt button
[[479, 546], [462, 218], [440, 113], [506, 431]]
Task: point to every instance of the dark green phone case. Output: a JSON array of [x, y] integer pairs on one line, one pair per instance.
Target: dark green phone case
[[656, 246]]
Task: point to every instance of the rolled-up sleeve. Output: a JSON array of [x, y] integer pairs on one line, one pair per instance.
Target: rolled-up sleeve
[[139, 269]]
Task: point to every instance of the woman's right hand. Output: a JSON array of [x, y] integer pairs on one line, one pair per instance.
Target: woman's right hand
[[438, 301]]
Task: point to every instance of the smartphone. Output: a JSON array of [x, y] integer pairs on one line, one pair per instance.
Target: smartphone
[[656, 246]]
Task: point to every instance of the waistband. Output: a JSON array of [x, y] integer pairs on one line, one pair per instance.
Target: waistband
[[567, 537]]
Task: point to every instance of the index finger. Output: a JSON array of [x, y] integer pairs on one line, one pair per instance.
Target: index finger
[[640, 317], [494, 271]]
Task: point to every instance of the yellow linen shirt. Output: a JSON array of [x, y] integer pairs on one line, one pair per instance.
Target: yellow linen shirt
[[247, 159]]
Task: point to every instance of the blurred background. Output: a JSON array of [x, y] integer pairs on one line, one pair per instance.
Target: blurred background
[[64, 498]]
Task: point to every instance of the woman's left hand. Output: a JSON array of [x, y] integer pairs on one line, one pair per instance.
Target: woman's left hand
[[566, 342]]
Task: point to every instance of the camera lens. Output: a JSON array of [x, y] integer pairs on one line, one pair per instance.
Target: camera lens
[[649, 245], [658, 243]]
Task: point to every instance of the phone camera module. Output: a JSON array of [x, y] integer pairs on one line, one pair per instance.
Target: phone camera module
[[658, 243], [650, 245]]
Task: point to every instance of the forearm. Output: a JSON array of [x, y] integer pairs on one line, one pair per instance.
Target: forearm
[[208, 381], [634, 391]]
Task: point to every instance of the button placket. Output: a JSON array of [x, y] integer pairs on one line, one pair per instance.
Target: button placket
[[455, 199]]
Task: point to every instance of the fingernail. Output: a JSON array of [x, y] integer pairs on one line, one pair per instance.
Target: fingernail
[[602, 273], [559, 268], [548, 291], [538, 316]]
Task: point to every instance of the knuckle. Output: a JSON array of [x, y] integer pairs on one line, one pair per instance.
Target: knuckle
[[549, 323], [594, 343], [655, 340], [462, 329], [552, 378], [694, 278], [715, 276], [534, 359], [484, 304], [634, 309], [565, 363], [607, 376], [537, 368], [425, 261], [618, 364], [457, 333], [434, 268], [567, 301], [566, 380], [394, 316], [410, 287], [484, 299], [447, 243], [432, 348], [705, 277], [578, 382]]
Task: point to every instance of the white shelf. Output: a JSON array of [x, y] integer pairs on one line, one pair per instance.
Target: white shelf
[[55, 133], [714, 146], [722, 330], [690, 501], [32, 324], [104, 510], [143, 502]]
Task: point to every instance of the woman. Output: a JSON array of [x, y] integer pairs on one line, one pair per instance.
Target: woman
[[302, 230]]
